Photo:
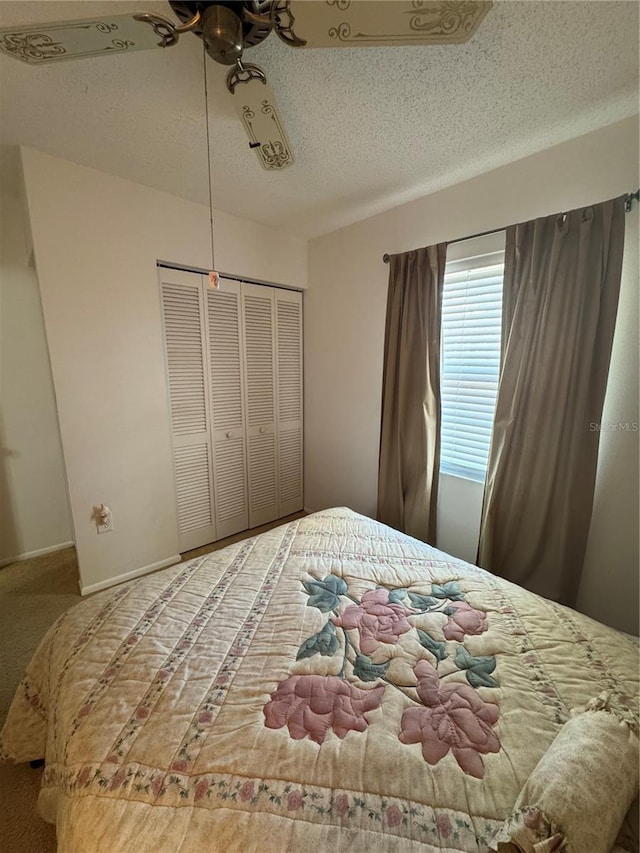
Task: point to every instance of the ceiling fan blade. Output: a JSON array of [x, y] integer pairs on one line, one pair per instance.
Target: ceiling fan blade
[[256, 106], [343, 23], [52, 42]]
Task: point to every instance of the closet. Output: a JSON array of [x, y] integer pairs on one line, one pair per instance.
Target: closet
[[234, 370]]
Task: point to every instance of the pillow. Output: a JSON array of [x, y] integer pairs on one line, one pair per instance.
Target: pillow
[[578, 795]]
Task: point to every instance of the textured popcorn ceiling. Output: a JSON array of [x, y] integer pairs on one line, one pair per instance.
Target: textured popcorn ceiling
[[370, 127]]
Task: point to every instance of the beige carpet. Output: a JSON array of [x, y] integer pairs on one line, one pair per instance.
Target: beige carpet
[[33, 594]]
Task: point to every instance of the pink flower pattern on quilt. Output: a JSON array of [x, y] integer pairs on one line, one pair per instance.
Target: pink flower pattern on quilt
[[453, 718], [446, 717], [376, 620], [464, 620], [311, 705]]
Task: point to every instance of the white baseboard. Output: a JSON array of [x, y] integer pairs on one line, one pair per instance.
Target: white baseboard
[[40, 552], [127, 576], [308, 511]]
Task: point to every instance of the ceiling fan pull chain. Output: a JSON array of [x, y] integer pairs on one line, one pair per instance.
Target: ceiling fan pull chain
[[167, 31]]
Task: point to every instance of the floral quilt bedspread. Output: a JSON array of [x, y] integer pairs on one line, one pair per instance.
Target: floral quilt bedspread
[[329, 685]]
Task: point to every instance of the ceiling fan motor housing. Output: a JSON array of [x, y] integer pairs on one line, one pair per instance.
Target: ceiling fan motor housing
[[222, 34], [224, 30]]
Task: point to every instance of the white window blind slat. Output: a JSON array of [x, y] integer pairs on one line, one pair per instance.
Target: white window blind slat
[[470, 363]]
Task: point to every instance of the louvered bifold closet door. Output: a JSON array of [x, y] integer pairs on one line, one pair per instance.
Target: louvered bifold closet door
[[289, 399], [227, 408], [184, 331], [259, 348]]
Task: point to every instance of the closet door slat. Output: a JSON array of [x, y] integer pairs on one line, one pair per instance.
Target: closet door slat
[[224, 328], [184, 336], [259, 364], [289, 395]]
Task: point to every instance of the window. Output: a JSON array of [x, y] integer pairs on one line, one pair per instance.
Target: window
[[471, 330]]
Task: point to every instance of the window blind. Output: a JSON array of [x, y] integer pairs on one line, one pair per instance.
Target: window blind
[[470, 363]]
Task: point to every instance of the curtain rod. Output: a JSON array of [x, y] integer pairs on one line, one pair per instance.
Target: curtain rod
[[628, 204]]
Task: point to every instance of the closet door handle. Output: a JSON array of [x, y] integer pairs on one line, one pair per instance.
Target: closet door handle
[[229, 434], [262, 430]]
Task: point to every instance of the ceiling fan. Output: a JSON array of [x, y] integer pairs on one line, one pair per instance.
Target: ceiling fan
[[230, 27]]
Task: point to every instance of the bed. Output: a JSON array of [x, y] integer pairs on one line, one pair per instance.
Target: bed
[[329, 685]]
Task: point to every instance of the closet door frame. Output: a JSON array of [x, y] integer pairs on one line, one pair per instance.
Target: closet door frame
[[193, 279]]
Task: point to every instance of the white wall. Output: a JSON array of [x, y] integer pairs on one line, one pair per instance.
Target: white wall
[[34, 512], [96, 240], [345, 311], [609, 589], [459, 512]]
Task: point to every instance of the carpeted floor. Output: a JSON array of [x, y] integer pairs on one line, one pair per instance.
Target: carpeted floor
[[33, 593]]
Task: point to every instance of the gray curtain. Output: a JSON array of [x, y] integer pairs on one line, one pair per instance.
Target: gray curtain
[[410, 429], [561, 286]]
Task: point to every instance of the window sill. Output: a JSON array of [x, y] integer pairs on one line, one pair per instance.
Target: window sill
[[464, 477]]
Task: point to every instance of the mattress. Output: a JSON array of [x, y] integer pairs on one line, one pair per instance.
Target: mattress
[[329, 685]]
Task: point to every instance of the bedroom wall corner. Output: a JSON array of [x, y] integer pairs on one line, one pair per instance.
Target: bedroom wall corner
[[609, 585], [97, 239], [34, 512]]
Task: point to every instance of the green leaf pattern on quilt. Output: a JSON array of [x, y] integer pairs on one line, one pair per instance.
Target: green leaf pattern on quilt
[[421, 602], [477, 669], [396, 595], [366, 670], [323, 643], [449, 590], [325, 594], [438, 650]]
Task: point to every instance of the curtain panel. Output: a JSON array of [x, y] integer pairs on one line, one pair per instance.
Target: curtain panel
[[561, 287], [410, 427]]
